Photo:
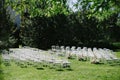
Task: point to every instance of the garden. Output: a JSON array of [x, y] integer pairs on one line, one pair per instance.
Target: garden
[[59, 40]]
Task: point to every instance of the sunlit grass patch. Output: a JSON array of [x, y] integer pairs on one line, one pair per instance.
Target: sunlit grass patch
[[79, 70]]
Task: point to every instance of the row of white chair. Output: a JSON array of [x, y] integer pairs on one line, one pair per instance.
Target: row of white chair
[[92, 54], [35, 55]]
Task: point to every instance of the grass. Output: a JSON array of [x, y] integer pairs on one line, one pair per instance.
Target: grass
[[117, 54], [79, 71]]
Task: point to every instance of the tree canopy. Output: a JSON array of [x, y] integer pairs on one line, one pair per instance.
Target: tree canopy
[[101, 9], [38, 7], [51, 22]]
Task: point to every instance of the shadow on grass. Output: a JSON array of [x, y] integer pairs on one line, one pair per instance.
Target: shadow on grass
[[40, 68], [1, 74], [59, 69], [114, 62], [1, 71], [69, 69], [63, 69], [99, 63]]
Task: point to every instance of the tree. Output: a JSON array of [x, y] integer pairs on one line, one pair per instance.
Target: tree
[[107, 12], [38, 7], [101, 9], [5, 27]]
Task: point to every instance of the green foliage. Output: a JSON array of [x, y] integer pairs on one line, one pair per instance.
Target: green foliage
[[75, 29], [117, 44], [49, 22], [38, 7], [5, 27], [101, 9], [29, 10]]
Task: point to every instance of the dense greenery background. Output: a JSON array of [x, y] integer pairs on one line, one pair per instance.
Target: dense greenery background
[[96, 23]]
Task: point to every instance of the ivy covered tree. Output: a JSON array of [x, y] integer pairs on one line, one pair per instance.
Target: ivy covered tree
[[5, 27]]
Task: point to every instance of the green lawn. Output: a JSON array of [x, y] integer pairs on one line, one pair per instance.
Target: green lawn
[[79, 71]]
